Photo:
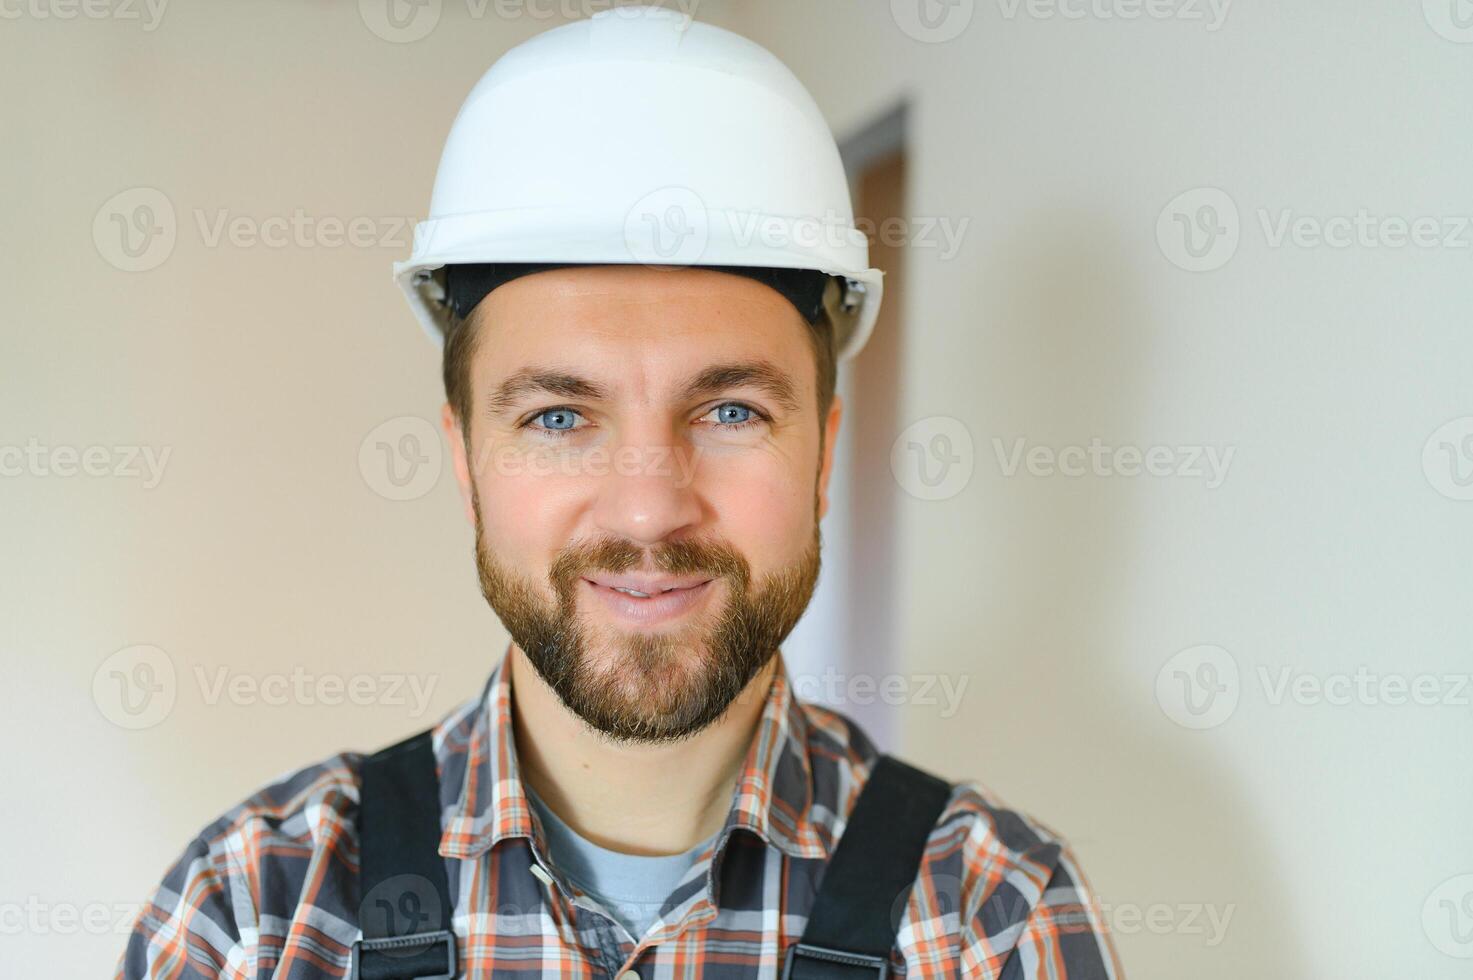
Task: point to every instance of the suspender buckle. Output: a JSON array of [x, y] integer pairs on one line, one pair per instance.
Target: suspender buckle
[[824, 962], [413, 957]]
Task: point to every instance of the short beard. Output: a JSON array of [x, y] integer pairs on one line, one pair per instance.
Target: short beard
[[648, 686]]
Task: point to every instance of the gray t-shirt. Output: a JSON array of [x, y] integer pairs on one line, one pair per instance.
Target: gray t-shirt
[[632, 887]]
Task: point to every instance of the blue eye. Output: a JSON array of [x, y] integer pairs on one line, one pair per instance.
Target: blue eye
[[561, 419], [730, 417], [736, 417]]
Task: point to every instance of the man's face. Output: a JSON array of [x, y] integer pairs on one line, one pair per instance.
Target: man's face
[[657, 430]]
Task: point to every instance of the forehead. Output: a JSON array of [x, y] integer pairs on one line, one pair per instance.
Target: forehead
[[638, 323]]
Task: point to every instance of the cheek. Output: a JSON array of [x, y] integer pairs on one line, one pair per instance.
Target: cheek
[[522, 510], [765, 508]]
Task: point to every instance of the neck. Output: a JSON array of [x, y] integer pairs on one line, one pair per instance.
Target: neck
[[636, 798]]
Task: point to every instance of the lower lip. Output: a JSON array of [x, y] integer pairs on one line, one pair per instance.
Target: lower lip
[[656, 609]]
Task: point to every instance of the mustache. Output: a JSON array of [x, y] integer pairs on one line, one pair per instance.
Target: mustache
[[689, 557]]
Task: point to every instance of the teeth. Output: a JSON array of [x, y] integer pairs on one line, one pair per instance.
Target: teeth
[[642, 595]]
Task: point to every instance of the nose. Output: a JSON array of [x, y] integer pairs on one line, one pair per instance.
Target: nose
[[648, 493]]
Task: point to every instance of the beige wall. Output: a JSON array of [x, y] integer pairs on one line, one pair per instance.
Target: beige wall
[[260, 370], [1322, 830], [1325, 829]]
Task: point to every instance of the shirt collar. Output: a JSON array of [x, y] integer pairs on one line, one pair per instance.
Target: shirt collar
[[773, 797]]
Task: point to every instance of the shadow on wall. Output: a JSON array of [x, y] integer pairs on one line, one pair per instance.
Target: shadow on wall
[[1155, 819]]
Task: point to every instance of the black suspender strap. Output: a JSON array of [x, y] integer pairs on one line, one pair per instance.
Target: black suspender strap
[[862, 893], [404, 909], [405, 905]]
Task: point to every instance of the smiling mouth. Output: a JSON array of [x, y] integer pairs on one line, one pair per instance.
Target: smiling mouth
[[650, 606], [637, 594]]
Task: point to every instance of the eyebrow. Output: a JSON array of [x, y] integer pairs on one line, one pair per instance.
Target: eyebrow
[[763, 375]]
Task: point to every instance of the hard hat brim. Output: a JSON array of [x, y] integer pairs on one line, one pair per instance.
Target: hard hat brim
[[546, 235]]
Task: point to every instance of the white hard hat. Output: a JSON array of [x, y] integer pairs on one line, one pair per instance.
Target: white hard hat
[[640, 136]]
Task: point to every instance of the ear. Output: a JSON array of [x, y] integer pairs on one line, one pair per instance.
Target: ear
[[831, 436], [456, 437]]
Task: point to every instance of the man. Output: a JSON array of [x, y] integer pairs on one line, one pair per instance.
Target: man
[[644, 451]]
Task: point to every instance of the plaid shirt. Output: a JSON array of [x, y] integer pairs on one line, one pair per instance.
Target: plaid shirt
[[271, 888]]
